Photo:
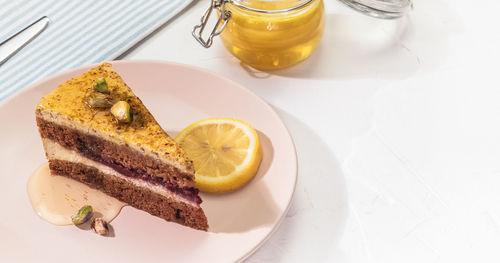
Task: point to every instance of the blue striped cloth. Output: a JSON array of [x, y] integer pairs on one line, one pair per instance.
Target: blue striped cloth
[[80, 32]]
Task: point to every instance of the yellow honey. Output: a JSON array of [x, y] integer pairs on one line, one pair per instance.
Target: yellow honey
[[271, 35]]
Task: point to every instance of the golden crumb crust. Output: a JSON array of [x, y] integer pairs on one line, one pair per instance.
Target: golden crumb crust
[[67, 102]]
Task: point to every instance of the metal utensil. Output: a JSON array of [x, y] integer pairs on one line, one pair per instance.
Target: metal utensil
[[16, 42]]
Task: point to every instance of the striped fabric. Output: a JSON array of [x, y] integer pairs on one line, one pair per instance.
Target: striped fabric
[[80, 32]]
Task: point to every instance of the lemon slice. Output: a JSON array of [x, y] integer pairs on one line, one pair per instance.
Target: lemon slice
[[226, 153]]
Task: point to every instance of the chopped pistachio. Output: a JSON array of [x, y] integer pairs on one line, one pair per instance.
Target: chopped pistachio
[[137, 119], [100, 85], [121, 112], [97, 100], [84, 214], [100, 226]]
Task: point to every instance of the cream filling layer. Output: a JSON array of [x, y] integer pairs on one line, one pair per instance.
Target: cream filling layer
[[56, 152]]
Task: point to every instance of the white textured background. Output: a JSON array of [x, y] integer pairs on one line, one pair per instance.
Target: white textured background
[[397, 128]]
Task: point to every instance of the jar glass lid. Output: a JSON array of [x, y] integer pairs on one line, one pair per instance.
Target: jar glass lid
[[380, 8]]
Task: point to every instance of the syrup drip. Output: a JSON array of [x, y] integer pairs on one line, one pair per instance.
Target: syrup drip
[[56, 198]]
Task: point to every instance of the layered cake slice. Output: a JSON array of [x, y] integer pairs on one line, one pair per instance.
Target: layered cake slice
[[95, 130]]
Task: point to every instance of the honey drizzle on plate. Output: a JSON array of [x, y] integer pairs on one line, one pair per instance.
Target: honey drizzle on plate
[[56, 198]]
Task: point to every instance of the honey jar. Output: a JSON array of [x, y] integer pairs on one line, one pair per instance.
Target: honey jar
[[265, 34]]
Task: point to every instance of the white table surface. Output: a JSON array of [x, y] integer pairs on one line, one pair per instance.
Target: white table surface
[[397, 130]]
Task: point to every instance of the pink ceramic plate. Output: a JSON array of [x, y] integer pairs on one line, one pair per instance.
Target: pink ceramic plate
[[177, 95]]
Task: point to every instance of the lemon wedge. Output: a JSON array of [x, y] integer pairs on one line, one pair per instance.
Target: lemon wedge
[[226, 153]]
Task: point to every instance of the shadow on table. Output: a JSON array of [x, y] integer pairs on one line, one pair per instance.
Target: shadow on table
[[356, 46], [317, 216], [360, 47]]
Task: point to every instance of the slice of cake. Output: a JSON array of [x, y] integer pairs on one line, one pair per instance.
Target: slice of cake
[[95, 130]]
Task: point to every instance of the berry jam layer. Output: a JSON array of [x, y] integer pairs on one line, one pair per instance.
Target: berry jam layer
[[189, 193]]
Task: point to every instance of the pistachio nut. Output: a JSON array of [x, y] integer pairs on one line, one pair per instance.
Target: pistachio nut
[[101, 86], [100, 226], [84, 214], [121, 112], [97, 100]]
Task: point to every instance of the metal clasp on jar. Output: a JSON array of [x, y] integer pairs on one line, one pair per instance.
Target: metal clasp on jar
[[224, 17]]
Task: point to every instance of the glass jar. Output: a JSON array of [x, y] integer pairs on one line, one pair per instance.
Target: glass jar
[[266, 34]]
